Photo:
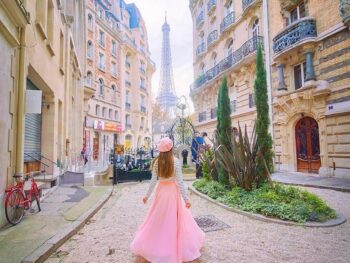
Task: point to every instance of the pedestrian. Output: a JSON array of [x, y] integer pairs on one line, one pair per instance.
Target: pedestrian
[[169, 234], [196, 150]]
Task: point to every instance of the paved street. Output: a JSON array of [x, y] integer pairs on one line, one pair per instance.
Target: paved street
[[107, 236]]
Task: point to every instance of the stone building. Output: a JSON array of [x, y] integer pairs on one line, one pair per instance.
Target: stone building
[[42, 47], [226, 34], [118, 75], [310, 64]]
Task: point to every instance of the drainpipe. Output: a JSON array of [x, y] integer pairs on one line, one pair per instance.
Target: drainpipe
[[21, 104], [267, 60]]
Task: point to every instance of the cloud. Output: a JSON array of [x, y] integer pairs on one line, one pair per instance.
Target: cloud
[[180, 21]]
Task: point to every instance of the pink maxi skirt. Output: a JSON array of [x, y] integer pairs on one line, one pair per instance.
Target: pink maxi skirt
[[169, 234]]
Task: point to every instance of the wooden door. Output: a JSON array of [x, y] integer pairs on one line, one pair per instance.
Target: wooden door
[[307, 145]]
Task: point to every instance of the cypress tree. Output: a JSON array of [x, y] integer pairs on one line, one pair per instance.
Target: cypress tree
[[223, 126], [264, 139]]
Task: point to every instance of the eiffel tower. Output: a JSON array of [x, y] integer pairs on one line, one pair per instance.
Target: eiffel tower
[[167, 98]]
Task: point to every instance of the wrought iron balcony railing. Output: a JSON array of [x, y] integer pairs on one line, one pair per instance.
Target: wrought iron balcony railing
[[200, 19], [202, 116], [246, 3], [200, 49], [211, 5], [298, 31], [231, 60], [212, 37], [227, 21]]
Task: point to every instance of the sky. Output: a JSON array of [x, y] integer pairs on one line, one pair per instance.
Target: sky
[[180, 21]]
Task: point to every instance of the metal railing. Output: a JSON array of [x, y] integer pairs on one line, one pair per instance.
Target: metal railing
[[231, 60], [294, 33], [227, 21], [246, 3], [212, 37]]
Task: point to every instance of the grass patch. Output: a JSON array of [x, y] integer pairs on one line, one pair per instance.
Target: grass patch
[[282, 202]]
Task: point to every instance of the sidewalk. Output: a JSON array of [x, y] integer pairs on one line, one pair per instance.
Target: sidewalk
[[332, 183], [64, 211]]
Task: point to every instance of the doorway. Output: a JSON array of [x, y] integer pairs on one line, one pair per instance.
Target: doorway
[[307, 145]]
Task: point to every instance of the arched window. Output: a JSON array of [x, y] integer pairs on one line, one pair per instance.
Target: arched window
[[89, 49], [229, 47], [89, 78], [101, 87], [214, 59], [254, 28], [90, 22]]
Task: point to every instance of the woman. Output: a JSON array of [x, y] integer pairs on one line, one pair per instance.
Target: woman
[[169, 233]]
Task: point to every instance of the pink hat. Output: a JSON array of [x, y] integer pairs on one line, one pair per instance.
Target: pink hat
[[165, 145]]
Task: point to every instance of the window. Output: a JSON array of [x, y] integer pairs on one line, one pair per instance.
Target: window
[[110, 113], [61, 50], [116, 115], [202, 68], [142, 83], [90, 22], [127, 61], [142, 67], [228, 8], [114, 89], [254, 30], [113, 69], [214, 59], [101, 61], [229, 47], [100, 12], [127, 120], [101, 87], [127, 93], [202, 38], [142, 122], [299, 72], [251, 101], [89, 49], [142, 99], [297, 13], [104, 112], [101, 38], [89, 78], [97, 110], [114, 48]]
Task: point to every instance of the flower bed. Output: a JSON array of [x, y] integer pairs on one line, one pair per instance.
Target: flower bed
[[282, 202]]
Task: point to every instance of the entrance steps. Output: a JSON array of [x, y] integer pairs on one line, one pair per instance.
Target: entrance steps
[[47, 181]]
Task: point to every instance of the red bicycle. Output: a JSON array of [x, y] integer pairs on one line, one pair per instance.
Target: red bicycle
[[17, 201]]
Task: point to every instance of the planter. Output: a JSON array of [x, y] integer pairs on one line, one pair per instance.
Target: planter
[[132, 176]]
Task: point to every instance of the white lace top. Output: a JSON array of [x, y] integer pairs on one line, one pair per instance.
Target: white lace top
[[178, 178]]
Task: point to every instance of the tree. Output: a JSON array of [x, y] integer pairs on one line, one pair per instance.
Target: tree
[[223, 126], [264, 139]]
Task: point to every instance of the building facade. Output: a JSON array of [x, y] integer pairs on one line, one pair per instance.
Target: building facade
[[226, 34], [310, 54], [42, 93], [119, 74]]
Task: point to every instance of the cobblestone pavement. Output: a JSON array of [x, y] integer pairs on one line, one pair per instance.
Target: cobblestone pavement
[[108, 235]]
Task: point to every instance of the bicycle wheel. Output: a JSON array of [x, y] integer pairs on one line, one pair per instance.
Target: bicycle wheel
[[36, 194], [14, 206]]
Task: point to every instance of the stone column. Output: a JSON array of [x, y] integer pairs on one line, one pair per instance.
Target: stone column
[[310, 72], [281, 83]]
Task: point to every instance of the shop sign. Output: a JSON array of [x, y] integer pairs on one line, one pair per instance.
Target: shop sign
[[107, 126]]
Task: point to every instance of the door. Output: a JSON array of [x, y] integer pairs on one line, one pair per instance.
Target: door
[[95, 148], [307, 145]]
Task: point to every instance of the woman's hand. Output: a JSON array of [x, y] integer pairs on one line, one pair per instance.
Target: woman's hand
[[145, 199], [188, 204]]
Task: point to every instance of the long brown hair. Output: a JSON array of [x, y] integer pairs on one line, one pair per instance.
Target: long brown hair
[[166, 164]]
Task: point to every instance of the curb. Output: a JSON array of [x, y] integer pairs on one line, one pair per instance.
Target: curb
[[51, 245], [335, 188], [331, 223]]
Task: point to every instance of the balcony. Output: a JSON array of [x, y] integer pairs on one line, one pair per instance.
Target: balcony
[[213, 113], [200, 49], [143, 109], [246, 3], [227, 21], [127, 83], [301, 31], [202, 116], [211, 6], [127, 106], [212, 37], [230, 61], [200, 19]]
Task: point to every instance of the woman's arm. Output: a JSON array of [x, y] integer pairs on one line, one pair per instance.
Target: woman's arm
[[153, 179], [179, 180]]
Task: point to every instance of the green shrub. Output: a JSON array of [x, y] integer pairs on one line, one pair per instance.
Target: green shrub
[[283, 202]]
